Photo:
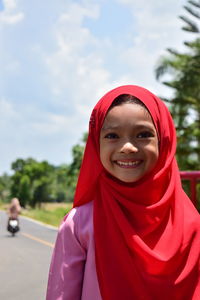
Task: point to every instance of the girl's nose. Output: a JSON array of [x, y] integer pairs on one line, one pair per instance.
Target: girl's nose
[[129, 147]]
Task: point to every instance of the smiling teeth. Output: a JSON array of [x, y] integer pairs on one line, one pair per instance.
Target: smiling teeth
[[130, 163]]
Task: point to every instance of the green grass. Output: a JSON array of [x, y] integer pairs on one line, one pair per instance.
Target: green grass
[[51, 214]]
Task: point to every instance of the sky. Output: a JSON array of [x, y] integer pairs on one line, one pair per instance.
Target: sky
[[57, 58]]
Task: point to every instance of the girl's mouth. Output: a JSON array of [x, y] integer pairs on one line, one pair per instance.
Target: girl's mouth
[[128, 164]]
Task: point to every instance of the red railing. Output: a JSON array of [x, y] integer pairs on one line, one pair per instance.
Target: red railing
[[193, 177]]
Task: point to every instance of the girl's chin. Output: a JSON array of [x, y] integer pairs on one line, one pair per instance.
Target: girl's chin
[[126, 179]]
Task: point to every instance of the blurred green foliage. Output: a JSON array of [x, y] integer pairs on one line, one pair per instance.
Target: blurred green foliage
[[36, 182]]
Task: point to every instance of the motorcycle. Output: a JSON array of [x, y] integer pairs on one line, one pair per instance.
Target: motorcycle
[[13, 226]]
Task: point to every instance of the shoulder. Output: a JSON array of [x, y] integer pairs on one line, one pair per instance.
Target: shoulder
[[79, 213], [79, 220]]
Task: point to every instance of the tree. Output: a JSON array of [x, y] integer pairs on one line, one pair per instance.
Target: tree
[[59, 184], [5, 183], [36, 182], [184, 69], [31, 181], [74, 167], [43, 174]]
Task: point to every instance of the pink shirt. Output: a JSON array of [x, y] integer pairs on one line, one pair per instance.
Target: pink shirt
[[72, 273]]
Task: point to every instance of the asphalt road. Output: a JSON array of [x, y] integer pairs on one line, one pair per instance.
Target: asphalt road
[[25, 260]]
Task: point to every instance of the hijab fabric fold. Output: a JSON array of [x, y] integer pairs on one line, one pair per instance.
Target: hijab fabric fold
[[147, 233]]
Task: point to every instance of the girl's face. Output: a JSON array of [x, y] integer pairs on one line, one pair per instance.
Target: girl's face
[[128, 142]]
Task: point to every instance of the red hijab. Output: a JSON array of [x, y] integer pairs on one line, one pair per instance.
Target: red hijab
[[147, 233]]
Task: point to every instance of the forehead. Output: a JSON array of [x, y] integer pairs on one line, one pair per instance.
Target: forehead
[[127, 113]]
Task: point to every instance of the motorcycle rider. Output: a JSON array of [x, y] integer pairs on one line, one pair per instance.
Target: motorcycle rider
[[14, 209], [13, 213]]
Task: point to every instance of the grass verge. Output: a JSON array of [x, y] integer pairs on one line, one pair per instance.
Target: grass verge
[[49, 213]]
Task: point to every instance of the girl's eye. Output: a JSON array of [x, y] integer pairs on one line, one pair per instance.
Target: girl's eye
[[111, 136], [145, 134]]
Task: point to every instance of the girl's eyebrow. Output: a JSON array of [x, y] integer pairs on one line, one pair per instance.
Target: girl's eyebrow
[[110, 127], [137, 126]]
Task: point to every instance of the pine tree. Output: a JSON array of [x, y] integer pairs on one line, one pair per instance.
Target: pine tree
[[185, 104]]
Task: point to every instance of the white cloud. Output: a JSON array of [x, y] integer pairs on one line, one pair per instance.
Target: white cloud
[[157, 22], [10, 4], [77, 66], [7, 112], [10, 15], [28, 132], [155, 29], [52, 124]]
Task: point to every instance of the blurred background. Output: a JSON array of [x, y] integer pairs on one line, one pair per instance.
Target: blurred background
[[57, 58]]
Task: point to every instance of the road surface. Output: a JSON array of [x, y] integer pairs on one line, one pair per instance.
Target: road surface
[[25, 260]]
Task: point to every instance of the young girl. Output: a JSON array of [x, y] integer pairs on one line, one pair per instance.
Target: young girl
[[132, 233]]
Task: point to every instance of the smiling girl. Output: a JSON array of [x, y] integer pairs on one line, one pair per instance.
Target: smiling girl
[[128, 140], [132, 233]]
